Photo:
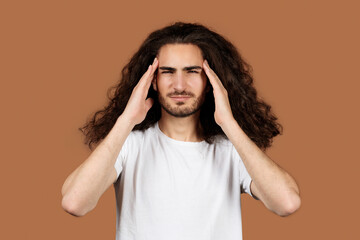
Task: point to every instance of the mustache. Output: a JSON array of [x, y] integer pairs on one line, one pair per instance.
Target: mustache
[[183, 93]]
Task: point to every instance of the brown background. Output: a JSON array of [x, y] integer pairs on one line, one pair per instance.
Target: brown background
[[58, 58]]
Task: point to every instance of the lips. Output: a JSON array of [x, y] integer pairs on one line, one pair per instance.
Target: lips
[[180, 98]]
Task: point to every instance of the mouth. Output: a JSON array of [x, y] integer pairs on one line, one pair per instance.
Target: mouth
[[180, 98]]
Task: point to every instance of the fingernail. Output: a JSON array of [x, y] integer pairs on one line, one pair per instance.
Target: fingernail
[[154, 60]]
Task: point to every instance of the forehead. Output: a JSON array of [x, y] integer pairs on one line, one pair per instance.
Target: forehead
[[180, 55]]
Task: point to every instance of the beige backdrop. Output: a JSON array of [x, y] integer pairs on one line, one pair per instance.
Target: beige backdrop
[[58, 58]]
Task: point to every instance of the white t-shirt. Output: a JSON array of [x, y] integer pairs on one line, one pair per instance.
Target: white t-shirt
[[177, 190]]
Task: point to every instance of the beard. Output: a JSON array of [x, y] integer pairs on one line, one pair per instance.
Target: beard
[[182, 109]]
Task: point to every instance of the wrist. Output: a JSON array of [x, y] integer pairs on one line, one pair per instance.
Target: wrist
[[125, 122], [229, 126]]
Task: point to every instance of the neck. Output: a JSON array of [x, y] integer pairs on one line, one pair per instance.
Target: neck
[[187, 129]]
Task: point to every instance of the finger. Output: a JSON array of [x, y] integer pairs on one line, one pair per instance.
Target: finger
[[148, 72], [213, 78], [149, 80], [154, 66], [144, 77], [145, 80]]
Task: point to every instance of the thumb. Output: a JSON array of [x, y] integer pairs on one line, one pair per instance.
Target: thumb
[[148, 103]]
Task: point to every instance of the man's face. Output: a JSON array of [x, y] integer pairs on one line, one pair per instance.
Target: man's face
[[180, 81]]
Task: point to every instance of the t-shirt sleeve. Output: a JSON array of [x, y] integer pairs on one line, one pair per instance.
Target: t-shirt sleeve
[[245, 178], [122, 156]]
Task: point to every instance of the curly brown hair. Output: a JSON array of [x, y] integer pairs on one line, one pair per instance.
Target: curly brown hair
[[252, 114]]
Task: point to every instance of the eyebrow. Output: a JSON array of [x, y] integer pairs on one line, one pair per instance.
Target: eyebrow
[[185, 68]]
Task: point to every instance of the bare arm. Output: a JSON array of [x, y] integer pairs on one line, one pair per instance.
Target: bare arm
[[271, 184], [84, 187]]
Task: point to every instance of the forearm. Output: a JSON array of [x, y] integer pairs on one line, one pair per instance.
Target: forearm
[[83, 188], [273, 186]]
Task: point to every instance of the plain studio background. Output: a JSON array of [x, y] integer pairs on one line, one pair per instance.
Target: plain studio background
[[58, 58]]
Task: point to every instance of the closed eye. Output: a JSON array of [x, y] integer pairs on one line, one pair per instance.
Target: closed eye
[[193, 72], [166, 72]]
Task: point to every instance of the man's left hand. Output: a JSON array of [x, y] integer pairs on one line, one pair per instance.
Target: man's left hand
[[223, 113]]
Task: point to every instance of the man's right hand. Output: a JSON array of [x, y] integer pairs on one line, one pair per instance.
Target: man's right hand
[[83, 188], [138, 106]]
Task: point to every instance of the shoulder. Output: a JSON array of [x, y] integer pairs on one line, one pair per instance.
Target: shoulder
[[139, 135], [222, 141], [136, 140], [224, 145]]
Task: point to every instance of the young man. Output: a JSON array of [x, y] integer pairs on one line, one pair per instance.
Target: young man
[[181, 142]]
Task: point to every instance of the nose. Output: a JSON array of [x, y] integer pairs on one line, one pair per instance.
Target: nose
[[179, 82]]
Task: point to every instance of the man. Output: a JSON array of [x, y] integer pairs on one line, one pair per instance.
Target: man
[[181, 142]]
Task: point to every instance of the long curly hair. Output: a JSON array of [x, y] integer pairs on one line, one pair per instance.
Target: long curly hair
[[252, 114]]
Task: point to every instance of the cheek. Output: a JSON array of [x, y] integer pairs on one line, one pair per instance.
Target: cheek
[[163, 83], [199, 83]]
